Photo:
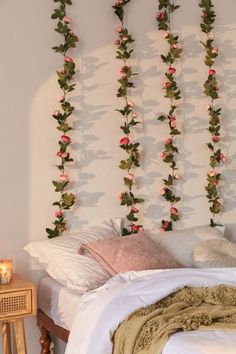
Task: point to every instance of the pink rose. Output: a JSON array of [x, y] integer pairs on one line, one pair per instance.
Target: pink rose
[[119, 29], [64, 177], [58, 214], [165, 224], [173, 124], [176, 46], [130, 176], [117, 42], [64, 154], [134, 115], [161, 15], [141, 229], [211, 72], [60, 99], [130, 103], [218, 205], [56, 113], [124, 38], [134, 227], [163, 155], [212, 173], [214, 50], [124, 69], [67, 19], [134, 210], [167, 84], [171, 70], [65, 139], [68, 59], [176, 176], [174, 211], [165, 35], [168, 141], [124, 141], [163, 191], [222, 157], [215, 138]]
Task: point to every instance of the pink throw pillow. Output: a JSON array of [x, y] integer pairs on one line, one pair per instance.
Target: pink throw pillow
[[136, 252]]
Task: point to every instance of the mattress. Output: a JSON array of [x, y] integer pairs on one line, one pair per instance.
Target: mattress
[[58, 302]]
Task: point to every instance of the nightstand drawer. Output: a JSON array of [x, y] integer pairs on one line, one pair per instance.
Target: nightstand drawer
[[16, 303]]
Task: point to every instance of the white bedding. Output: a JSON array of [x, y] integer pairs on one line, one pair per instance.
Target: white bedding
[[101, 311], [58, 302]]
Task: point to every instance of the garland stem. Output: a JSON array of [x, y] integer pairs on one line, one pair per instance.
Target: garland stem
[[172, 92], [130, 120]]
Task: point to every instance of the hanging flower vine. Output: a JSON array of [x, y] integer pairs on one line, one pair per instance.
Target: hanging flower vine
[[172, 92], [65, 77], [211, 90], [131, 148]]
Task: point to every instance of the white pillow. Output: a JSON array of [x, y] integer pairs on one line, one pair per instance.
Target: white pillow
[[180, 244], [215, 253], [59, 256]]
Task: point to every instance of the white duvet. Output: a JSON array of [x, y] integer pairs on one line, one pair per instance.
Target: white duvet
[[101, 311]]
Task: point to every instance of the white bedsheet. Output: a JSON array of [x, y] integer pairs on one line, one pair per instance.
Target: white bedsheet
[[58, 302], [101, 311]]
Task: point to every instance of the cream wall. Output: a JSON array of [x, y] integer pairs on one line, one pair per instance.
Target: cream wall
[[29, 138]]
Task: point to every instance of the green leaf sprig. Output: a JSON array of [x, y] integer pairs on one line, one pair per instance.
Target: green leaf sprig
[[166, 9], [123, 53], [64, 78], [211, 90]]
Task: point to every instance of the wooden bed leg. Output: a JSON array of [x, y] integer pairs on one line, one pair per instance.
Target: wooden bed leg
[[45, 341]]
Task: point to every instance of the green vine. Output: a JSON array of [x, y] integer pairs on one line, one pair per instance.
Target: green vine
[[172, 92], [65, 77], [131, 148], [211, 90]]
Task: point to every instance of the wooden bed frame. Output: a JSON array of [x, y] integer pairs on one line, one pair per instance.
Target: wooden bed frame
[[47, 328]]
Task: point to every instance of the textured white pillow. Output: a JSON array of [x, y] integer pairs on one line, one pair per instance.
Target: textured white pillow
[[215, 253], [180, 243], [60, 258]]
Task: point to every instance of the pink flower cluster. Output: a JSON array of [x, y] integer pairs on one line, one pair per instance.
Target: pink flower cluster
[[65, 139], [68, 59], [124, 141], [136, 228], [165, 225]]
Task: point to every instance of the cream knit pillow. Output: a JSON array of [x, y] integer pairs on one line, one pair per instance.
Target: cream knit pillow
[[214, 253]]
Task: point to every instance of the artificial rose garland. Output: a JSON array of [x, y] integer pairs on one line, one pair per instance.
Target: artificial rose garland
[[65, 76], [211, 90], [172, 92], [130, 120]]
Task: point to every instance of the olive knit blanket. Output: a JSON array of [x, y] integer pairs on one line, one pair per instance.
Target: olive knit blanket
[[147, 330]]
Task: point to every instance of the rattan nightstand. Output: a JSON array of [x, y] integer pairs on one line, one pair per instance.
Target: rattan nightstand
[[17, 300]]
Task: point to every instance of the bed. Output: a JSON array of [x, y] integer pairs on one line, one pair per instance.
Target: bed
[[56, 317], [90, 294]]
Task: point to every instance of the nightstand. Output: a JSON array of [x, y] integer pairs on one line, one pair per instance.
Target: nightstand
[[17, 300]]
